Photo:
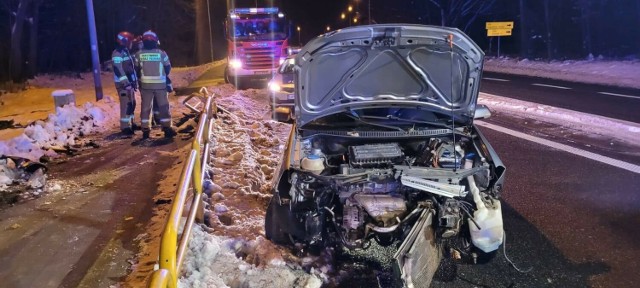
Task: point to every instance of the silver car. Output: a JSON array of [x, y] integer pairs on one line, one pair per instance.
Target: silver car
[[384, 148], [281, 89]]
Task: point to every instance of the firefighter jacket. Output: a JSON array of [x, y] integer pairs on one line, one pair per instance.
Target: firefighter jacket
[[123, 69], [154, 67]]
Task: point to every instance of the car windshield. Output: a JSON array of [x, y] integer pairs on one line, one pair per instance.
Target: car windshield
[[392, 117], [258, 29]]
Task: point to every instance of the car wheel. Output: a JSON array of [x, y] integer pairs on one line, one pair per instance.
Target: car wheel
[[281, 117], [273, 221], [230, 79]]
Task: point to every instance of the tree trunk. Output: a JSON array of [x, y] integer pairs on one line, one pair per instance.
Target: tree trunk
[[16, 60], [638, 25], [202, 32], [524, 34], [585, 11], [33, 39], [547, 21]]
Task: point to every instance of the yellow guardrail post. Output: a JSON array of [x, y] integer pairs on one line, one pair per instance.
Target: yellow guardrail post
[[162, 278], [172, 251]]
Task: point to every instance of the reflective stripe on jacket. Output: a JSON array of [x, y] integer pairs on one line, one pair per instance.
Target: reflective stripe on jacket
[[122, 66], [152, 65]]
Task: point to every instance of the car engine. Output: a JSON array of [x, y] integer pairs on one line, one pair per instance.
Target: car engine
[[350, 191]]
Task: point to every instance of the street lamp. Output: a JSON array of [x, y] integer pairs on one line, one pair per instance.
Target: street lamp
[[328, 28], [299, 42], [342, 16], [350, 8], [355, 20]]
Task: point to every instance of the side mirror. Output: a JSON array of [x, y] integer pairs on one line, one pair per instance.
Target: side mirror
[[482, 112]]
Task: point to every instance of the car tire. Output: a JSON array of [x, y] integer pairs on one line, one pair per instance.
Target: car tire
[[273, 221], [282, 118], [230, 79]]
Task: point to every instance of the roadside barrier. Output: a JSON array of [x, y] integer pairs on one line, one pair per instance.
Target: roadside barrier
[[173, 245]]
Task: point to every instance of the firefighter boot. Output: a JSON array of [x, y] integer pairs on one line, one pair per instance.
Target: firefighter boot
[[169, 132], [145, 133], [127, 131]]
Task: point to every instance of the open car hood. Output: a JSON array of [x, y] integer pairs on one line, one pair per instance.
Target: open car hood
[[389, 65]]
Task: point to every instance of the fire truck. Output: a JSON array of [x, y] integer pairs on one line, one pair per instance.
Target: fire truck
[[257, 43]]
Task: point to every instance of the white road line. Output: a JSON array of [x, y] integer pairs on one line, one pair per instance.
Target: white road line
[[495, 79], [619, 95], [566, 148], [551, 86]]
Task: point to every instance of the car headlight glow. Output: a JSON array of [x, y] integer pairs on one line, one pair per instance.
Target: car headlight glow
[[274, 87], [235, 63]]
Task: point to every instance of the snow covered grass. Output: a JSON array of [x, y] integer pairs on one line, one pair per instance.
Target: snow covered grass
[[233, 251], [619, 129], [214, 261], [604, 72]]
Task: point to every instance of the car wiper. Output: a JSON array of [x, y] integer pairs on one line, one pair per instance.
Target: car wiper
[[391, 117], [359, 119]]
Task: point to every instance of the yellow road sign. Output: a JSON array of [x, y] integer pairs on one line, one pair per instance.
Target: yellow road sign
[[499, 25], [498, 32]]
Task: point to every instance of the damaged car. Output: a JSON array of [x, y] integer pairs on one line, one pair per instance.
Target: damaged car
[[384, 148]]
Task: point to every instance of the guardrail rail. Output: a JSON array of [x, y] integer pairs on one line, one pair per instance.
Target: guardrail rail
[[173, 245]]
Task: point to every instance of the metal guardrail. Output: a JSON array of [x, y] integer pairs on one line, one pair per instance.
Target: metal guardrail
[[172, 248]]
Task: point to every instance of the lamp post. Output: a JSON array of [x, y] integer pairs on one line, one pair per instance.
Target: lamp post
[[328, 28], [299, 42]]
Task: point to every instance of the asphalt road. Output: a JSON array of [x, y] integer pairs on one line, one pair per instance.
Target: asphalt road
[[609, 101], [571, 219]]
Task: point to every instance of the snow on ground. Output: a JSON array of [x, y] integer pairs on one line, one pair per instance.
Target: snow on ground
[[612, 128], [45, 129], [212, 261], [248, 149], [604, 72], [61, 129]]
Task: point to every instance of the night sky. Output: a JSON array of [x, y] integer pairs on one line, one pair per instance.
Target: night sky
[[578, 27]]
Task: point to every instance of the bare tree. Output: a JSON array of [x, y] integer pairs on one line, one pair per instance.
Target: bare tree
[[15, 52], [33, 38], [547, 23], [462, 13], [202, 32], [524, 33], [26, 12]]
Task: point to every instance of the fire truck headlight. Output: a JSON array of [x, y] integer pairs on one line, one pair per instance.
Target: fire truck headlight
[[235, 63], [274, 87]]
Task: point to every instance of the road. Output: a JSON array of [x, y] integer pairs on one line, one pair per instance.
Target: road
[[609, 101], [87, 235]]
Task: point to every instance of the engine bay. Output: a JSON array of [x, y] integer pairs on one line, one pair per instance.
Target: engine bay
[[365, 190]]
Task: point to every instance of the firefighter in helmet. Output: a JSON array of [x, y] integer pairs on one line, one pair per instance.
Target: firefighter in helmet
[[125, 79], [153, 67]]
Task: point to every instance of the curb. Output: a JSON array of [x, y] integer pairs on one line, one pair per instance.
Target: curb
[[589, 123]]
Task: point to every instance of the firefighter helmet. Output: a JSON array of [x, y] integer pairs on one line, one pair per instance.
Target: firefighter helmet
[[124, 38], [150, 36]]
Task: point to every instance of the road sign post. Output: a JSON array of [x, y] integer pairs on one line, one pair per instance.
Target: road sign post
[[497, 29]]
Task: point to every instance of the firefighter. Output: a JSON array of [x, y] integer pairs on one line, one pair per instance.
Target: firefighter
[[137, 46], [153, 66], [125, 79]]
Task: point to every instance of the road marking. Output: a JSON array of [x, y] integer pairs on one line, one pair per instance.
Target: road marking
[[495, 79], [619, 95], [566, 148], [551, 86]]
